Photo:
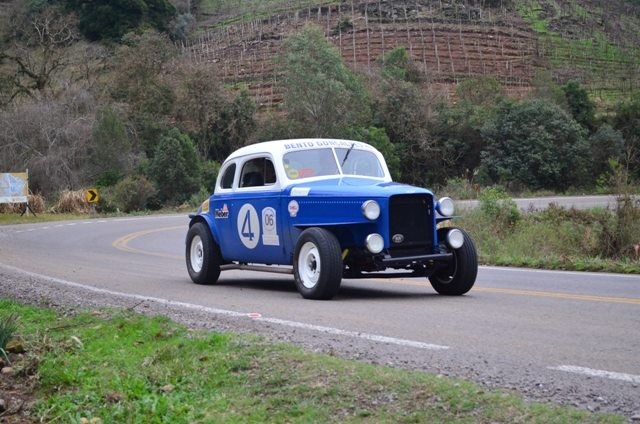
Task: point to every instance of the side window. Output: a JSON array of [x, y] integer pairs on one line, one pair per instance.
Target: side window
[[257, 173], [227, 177]]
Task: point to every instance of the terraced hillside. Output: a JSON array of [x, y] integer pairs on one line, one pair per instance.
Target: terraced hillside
[[448, 40]]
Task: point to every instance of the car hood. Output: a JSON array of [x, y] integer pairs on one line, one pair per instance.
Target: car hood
[[351, 187]]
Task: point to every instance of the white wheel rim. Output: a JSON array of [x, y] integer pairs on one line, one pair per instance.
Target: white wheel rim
[[196, 254], [309, 265]]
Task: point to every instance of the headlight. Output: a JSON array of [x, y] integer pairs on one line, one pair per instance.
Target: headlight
[[445, 206], [455, 238], [371, 210], [374, 243]]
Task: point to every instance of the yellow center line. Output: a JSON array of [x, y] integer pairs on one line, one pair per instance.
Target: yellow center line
[[536, 293], [123, 242], [585, 297]]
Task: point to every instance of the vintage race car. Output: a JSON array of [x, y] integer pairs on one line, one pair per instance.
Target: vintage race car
[[324, 210]]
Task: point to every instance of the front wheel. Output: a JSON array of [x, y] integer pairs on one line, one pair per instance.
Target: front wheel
[[202, 255], [459, 275], [317, 264]]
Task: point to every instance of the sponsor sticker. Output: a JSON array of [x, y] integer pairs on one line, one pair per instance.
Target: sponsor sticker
[[222, 213], [293, 208]]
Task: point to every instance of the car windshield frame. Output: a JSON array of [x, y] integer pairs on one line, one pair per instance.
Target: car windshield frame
[[332, 161]]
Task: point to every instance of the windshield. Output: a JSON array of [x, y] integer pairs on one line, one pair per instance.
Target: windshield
[[320, 162]]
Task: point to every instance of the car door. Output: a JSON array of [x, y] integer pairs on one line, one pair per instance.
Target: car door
[[250, 227]]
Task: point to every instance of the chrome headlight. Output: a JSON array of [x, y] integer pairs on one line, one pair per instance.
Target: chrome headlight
[[455, 238], [445, 206], [374, 243], [371, 210]]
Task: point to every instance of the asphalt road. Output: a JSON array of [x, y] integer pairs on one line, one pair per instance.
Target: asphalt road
[[562, 336], [538, 203]]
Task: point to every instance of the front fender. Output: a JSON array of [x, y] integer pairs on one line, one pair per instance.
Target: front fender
[[210, 223]]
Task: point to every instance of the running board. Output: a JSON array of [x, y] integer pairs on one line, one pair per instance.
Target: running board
[[260, 268]]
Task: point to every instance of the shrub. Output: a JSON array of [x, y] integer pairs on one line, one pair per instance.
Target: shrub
[[210, 171], [132, 193], [499, 208], [175, 167], [8, 327], [460, 188], [536, 144]]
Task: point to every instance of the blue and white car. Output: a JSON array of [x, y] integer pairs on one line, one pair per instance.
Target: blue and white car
[[324, 210]]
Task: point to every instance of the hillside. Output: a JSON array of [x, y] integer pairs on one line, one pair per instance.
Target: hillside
[[594, 41]]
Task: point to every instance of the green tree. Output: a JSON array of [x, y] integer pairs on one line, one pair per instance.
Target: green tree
[[321, 95], [580, 106], [234, 126], [606, 144], [535, 144], [457, 126], [112, 155], [141, 66], [111, 19], [397, 64], [627, 121], [379, 139], [175, 167], [403, 111]]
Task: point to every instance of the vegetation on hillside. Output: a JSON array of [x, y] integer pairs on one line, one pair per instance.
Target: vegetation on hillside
[[131, 114]]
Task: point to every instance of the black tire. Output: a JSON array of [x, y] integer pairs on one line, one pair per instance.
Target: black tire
[[202, 255], [460, 275], [317, 264]]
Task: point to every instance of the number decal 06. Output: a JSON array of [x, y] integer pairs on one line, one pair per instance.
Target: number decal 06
[[269, 228]]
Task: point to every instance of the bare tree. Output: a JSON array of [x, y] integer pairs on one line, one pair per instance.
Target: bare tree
[[38, 49]]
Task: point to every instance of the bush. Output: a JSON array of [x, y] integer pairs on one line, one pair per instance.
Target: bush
[[8, 327], [133, 193], [175, 167], [210, 171], [535, 144], [499, 208], [459, 188]]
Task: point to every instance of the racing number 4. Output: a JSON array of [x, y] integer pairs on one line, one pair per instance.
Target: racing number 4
[[246, 226]]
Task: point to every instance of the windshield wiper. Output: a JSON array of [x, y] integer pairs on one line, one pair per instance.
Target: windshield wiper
[[347, 155]]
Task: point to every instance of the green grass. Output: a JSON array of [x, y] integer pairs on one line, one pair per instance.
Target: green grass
[[560, 239], [15, 218], [117, 366]]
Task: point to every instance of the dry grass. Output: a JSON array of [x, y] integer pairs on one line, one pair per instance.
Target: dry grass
[[72, 202], [36, 203]]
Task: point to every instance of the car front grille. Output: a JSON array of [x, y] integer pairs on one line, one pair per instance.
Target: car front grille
[[411, 224]]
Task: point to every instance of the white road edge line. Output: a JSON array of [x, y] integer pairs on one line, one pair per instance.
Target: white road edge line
[[555, 271], [207, 309], [598, 373]]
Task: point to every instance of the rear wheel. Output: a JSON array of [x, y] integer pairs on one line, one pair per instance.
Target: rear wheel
[[459, 275], [317, 264], [202, 255]]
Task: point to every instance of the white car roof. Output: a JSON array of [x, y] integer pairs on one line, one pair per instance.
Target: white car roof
[[278, 148]]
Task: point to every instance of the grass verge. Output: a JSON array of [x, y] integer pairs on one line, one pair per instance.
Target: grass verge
[[561, 239], [117, 366]]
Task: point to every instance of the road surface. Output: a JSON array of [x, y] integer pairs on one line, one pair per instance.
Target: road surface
[[567, 337]]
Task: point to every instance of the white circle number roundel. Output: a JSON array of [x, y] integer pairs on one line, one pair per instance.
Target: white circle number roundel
[[248, 226]]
